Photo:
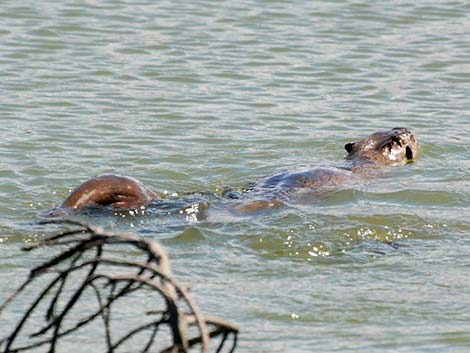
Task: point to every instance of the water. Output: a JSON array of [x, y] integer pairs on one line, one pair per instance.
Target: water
[[195, 96]]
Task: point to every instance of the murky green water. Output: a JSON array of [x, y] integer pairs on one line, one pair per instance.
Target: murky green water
[[198, 95]]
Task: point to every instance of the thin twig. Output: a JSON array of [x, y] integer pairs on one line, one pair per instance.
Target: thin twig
[[153, 274]]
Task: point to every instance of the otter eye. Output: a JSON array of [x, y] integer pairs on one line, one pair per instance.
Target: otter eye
[[409, 152], [348, 147]]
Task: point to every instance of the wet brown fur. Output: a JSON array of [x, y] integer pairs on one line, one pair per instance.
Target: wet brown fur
[[118, 191], [396, 146]]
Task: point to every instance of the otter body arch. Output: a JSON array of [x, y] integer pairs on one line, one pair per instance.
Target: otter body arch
[[110, 190]]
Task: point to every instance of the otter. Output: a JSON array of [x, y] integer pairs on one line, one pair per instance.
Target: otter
[[364, 159], [394, 147]]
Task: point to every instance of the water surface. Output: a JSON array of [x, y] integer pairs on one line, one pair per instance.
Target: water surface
[[195, 96]]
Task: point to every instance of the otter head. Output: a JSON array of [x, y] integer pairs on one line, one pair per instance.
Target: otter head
[[391, 147]]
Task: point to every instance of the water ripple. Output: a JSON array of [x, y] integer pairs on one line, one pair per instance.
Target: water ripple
[[196, 96]]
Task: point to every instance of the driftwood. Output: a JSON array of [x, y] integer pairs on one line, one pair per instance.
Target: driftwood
[[92, 268]]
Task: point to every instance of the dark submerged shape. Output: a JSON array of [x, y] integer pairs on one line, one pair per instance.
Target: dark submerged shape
[[384, 148]]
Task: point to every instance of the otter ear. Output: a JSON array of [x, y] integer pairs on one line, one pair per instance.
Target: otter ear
[[348, 147], [409, 152]]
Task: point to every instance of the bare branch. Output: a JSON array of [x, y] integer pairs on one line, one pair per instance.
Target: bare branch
[[101, 270]]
